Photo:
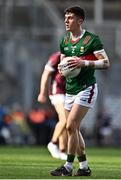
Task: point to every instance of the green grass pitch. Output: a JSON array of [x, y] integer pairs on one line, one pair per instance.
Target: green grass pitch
[[36, 163]]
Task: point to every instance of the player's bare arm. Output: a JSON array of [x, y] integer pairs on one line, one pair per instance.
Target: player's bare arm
[[43, 86]]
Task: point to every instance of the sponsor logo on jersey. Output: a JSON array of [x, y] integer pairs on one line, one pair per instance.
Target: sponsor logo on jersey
[[66, 48], [86, 40]]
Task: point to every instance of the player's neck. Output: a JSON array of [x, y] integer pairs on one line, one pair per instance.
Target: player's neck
[[76, 35]]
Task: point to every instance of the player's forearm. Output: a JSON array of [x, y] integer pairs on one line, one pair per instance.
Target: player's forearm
[[100, 62], [43, 88], [44, 82], [97, 64]]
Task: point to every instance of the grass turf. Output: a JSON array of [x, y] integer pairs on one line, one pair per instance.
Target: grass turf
[[36, 163]]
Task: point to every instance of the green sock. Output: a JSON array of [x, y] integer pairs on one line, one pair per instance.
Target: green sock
[[81, 158], [70, 158]]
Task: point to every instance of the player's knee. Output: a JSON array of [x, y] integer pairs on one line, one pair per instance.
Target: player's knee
[[64, 123], [71, 129]]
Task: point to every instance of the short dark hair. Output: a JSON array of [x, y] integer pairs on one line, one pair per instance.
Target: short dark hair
[[77, 10]]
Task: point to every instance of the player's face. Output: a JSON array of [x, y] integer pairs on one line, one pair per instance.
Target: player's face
[[72, 22]]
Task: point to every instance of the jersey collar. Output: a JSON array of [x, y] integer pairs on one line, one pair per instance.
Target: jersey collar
[[77, 39]]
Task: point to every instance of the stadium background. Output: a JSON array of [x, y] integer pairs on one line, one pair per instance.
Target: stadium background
[[30, 31]]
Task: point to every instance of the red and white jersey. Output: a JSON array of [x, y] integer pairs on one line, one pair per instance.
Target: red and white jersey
[[57, 84]]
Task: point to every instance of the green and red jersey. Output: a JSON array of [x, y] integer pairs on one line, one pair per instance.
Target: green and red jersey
[[83, 47]]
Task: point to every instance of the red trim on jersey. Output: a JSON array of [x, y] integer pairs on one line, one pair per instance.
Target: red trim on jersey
[[86, 39], [91, 94], [74, 41], [90, 57]]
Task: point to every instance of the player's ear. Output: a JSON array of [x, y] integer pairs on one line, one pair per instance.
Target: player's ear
[[80, 21]]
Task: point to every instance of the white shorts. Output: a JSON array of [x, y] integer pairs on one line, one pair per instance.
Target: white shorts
[[57, 98], [85, 98]]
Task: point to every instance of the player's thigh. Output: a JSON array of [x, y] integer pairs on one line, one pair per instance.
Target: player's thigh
[[59, 107], [67, 113], [57, 101], [76, 115]]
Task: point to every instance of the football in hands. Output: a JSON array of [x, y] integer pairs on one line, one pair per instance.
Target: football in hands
[[66, 71]]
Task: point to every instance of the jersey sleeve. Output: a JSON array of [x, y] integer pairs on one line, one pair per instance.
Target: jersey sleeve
[[97, 44], [53, 61], [48, 67]]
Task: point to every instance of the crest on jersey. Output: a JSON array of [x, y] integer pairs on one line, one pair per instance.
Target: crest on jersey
[[86, 40], [82, 49], [66, 40]]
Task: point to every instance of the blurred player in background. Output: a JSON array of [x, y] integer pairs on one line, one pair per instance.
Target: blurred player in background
[[81, 91], [57, 98]]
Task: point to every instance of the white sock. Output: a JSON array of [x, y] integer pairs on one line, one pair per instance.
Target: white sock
[[83, 165], [68, 166]]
